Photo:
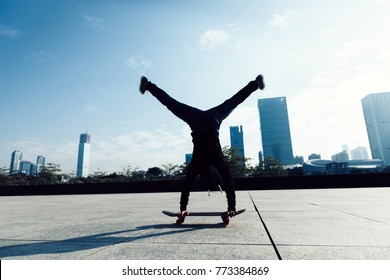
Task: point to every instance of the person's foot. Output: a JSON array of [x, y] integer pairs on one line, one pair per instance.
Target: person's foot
[[182, 213], [142, 84], [231, 213], [260, 81]]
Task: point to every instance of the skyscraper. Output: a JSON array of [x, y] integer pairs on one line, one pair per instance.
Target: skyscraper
[[188, 159], [83, 155], [359, 153], [237, 140], [40, 163], [275, 129], [377, 117], [16, 158]]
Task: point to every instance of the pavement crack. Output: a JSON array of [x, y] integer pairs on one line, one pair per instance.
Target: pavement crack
[[348, 213], [266, 229]]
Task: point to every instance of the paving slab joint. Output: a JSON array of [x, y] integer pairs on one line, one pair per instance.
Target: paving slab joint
[[266, 229]]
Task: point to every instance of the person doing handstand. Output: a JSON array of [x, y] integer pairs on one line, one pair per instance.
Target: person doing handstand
[[207, 152]]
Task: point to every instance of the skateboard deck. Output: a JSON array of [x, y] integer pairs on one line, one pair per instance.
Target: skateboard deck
[[223, 215]]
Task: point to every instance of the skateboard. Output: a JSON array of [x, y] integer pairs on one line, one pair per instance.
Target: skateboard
[[224, 216]]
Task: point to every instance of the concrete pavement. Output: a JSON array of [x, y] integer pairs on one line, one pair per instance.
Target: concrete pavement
[[334, 224]]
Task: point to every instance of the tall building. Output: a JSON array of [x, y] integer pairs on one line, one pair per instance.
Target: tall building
[[340, 157], [359, 153], [40, 163], [16, 159], [345, 149], [83, 155], [237, 140], [188, 159], [314, 156], [275, 129], [28, 168], [377, 117]]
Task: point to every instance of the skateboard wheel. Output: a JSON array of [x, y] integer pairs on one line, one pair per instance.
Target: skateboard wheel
[[179, 221], [225, 220]]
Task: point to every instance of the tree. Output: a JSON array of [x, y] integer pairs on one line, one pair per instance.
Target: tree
[[154, 172], [237, 163], [129, 170], [172, 170], [99, 173], [271, 167], [50, 173]]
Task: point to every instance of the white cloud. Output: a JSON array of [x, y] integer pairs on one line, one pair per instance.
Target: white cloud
[[242, 43], [213, 38], [284, 20], [94, 22], [136, 62], [42, 56], [384, 2], [92, 109], [9, 32], [385, 54], [350, 49], [143, 148]]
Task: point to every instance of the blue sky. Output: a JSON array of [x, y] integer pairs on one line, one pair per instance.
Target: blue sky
[[71, 66]]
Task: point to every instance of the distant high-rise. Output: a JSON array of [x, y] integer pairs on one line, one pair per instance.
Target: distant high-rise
[[376, 109], [27, 168], [40, 163], [275, 129], [340, 157], [359, 153], [16, 158], [188, 159], [83, 155], [237, 140], [314, 156], [345, 149]]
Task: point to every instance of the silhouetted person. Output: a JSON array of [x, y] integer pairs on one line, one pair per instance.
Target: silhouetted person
[[207, 156]]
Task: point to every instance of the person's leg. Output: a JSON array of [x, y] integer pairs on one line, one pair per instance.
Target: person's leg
[[181, 110], [228, 183], [192, 172], [230, 104]]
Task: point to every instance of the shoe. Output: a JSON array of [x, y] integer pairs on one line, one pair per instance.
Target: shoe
[[142, 84], [260, 82], [231, 213], [182, 213]]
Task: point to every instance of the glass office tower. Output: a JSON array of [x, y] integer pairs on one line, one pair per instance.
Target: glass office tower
[[376, 110], [237, 140], [40, 163], [275, 129], [16, 159], [83, 156]]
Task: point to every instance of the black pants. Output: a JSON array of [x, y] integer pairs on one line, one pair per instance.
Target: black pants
[[199, 120]]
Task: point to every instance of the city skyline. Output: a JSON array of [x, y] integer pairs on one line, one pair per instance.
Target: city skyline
[[19, 165], [69, 66]]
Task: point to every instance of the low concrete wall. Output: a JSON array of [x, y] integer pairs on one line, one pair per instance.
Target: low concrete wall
[[266, 183]]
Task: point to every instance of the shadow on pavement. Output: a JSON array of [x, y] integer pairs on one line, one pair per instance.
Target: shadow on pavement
[[38, 247]]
